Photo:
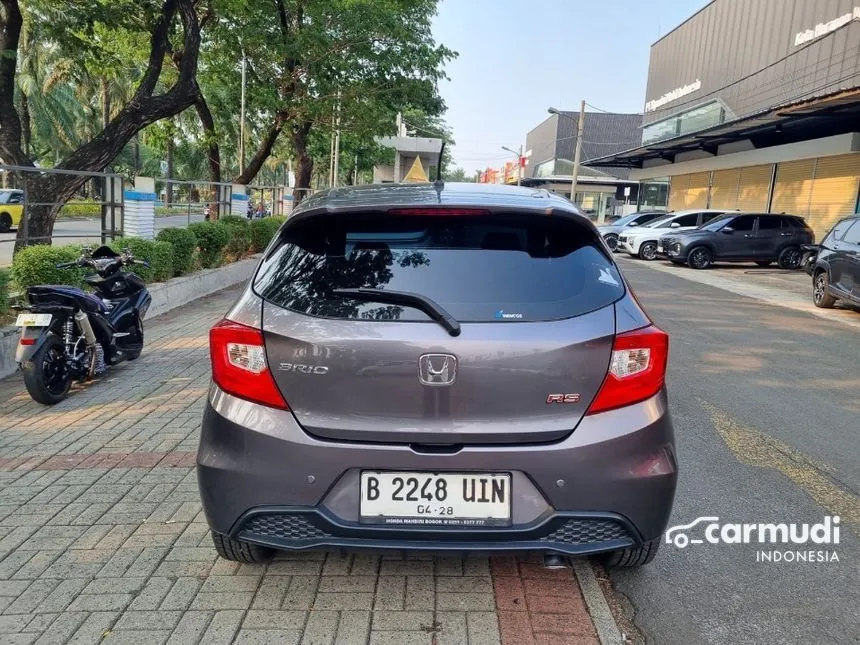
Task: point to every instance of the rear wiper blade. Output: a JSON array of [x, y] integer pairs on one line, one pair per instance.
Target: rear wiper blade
[[425, 304]]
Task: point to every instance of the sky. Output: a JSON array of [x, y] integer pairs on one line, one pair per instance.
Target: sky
[[519, 57]]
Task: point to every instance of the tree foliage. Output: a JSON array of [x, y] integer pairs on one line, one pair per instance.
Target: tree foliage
[[128, 84]]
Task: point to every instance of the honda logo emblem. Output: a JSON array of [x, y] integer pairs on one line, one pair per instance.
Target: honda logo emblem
[[437, 369]]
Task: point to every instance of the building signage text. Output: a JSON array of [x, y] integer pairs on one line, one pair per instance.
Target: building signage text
[[674, 95], [824, 28]]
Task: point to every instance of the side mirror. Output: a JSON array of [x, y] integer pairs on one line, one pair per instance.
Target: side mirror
[[674, 225], [633, 224], [728, 230]]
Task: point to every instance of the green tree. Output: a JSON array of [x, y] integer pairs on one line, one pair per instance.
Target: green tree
[[307, 57], [101, 39]]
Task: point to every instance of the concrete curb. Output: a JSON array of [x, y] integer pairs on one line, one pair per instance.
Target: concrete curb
[[604, 623], [165, 296]]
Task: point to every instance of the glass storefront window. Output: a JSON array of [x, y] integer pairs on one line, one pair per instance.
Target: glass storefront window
[[693, 120], [654, 194]]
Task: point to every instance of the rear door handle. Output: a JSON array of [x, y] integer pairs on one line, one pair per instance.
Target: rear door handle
[[786, 234], [747, 235]]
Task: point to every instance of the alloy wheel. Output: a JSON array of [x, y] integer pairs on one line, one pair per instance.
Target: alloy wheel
[[648, 251], [700, 258]]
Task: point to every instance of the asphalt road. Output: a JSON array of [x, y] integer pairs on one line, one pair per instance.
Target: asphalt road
[[766, 407], [84, 231]]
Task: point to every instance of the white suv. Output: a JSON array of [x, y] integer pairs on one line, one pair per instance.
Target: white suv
[[643, 241]]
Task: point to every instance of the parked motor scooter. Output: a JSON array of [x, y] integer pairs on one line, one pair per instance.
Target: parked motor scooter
[[68, 334]]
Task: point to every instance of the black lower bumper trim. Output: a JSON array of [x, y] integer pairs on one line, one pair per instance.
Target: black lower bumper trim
[[301, 528]]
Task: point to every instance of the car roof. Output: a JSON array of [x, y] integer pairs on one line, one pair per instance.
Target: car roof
[[688, 211], [377, 196]]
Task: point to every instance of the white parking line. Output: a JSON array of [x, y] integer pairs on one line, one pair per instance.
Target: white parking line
[[607, 630], [770, 295]]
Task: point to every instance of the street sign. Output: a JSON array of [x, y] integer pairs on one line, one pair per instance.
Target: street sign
[[627, 191]]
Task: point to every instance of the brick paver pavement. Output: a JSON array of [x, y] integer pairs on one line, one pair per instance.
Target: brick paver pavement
[[102, 538]]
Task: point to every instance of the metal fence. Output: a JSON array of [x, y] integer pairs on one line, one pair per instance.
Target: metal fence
[[95, 212]]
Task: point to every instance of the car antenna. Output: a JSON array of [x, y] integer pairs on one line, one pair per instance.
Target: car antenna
[[439, 183]]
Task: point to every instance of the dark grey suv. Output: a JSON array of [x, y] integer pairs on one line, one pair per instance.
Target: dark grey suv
[[437, 367], [741, 237]]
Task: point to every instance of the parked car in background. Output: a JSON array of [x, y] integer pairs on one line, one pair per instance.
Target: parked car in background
[[377, 385], [836, 270], [610, 232], [11, 208], [642, 241], [741, 237]]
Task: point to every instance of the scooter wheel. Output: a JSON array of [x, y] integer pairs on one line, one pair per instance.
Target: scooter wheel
[[47, 375]]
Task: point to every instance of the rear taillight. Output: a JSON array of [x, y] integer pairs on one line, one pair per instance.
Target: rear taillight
[[239, 364], [637, 369]]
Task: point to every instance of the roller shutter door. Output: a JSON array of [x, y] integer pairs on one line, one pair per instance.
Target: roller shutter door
[[793, 187], [678, 192], [753, 188], [724, 189], [834, 191], [697, 190]]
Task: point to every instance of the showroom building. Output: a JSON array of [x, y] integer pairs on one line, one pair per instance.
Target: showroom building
[[755, 105]]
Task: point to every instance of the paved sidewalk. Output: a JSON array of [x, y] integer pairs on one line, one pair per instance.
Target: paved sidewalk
[[102, 538]]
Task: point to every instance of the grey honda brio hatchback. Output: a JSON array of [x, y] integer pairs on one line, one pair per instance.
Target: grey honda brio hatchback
[[441, 367]]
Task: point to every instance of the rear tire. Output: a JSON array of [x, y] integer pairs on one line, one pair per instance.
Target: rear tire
[[648, 251], [700, 257], [820, 296], [239, 551], [635, 556], [46, 375], [790, 258], [5, 222]]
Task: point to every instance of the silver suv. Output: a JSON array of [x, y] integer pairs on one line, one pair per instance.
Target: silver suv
[[437, 367]]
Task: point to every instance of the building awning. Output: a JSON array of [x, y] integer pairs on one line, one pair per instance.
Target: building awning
[[810, 118]]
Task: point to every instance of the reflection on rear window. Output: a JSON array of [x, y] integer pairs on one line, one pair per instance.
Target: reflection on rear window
[[480, 269]]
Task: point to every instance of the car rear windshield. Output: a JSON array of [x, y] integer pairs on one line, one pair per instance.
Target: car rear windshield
[[478, 268]]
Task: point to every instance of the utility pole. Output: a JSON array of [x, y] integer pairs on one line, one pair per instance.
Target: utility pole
[[520, 166], [331, 151], [337, 142], [242, 120], [577, 156]]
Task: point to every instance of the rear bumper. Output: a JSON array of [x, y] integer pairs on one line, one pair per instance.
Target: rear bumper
[[297, 528], [264, 480]]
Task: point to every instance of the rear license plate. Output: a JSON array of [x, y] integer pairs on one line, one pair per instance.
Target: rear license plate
[[444, 499], [33, 320]]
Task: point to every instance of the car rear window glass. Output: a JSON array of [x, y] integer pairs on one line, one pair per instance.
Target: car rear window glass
[[768, 223], [479, 268]]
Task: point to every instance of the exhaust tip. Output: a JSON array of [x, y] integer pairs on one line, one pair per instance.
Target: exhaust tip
[[554, 561]]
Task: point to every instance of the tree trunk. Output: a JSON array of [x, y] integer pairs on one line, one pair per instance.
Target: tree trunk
[[105, 103], [143, 109], [171, 148], [263, 152], [304, 162], [52, 191], [26, 132], [136, 153], [211, 139]]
